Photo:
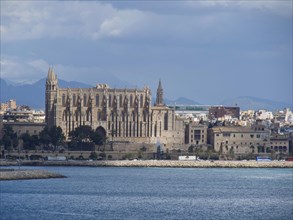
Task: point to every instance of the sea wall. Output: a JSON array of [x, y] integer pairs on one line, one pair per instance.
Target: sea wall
[[27, 174], [158, 163]]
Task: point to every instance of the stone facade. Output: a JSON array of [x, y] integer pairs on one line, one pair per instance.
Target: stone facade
[[280, 144], [196, 134], [26, 127], [242, 140], [120, 114]]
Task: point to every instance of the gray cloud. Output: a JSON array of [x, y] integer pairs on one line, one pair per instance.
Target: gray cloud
[[99, 20], [228, 47]]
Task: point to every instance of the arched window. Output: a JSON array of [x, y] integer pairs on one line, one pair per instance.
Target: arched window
[[110, 100], [97, 100], [99, 115], [131, 100], [63, 99], [133, 116], [84, 100], [141, 101], [74, 100], [121, 100]]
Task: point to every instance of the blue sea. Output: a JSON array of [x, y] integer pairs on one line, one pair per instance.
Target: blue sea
[[151, 193]]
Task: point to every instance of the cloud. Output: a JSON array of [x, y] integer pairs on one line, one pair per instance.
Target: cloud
[[93, 20], [122, 23], [35, 20], [281, 8], [20, 70]]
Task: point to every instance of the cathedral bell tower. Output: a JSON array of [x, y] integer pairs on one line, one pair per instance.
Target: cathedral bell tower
[[51, 96], [159, 99]]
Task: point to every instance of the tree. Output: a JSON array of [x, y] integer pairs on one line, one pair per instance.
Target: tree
[[98, 138], [57, 136], [232, 153], [29, 142], [9, 139], [209, 151], [7, 142], [190, 149], [53, 136], [15, 141], [93, 155], [86, 138], [82, 135], [44, 137]]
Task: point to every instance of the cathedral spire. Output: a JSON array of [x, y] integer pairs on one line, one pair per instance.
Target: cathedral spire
[[52, 81], [159, 99], [51, 74]]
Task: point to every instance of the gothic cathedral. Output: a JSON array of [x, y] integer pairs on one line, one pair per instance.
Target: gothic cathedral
[[122, 114]]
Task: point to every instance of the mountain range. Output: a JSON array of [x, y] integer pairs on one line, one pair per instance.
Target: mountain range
[[33, 95]]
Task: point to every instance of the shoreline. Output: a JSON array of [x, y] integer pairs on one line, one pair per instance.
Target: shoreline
[[157, 163], [13, 174]]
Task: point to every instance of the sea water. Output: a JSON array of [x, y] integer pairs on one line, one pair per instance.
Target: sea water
[[151, 193]]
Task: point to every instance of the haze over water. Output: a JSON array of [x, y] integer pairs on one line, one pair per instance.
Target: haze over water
[[151, 193]]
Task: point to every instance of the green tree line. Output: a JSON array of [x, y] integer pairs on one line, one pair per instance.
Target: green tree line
[[82, 138]]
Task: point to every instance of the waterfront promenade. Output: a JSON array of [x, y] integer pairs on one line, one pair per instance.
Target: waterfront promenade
[[157, 163]]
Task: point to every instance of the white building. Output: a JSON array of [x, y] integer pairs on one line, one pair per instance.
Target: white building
[[264, 115]]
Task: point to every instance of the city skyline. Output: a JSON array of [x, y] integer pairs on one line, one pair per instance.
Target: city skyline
[[231, 49]]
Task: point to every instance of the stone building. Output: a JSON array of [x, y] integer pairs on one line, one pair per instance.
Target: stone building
[[195, 134], [120, 114], [26, 127], [239, 140], [280, 144]]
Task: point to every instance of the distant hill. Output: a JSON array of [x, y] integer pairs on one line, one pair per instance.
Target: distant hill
[[32, 95], [181, 101], [248, 102]]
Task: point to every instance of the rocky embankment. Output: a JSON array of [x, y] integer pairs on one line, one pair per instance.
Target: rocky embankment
[[11, 174], [159, 163], [198, 164]]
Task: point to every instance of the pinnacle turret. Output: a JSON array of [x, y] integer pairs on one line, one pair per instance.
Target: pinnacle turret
[[51, 74], [52, 81], [160, 93]]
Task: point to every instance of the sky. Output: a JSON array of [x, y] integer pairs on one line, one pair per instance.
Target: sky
[[207, 51]]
